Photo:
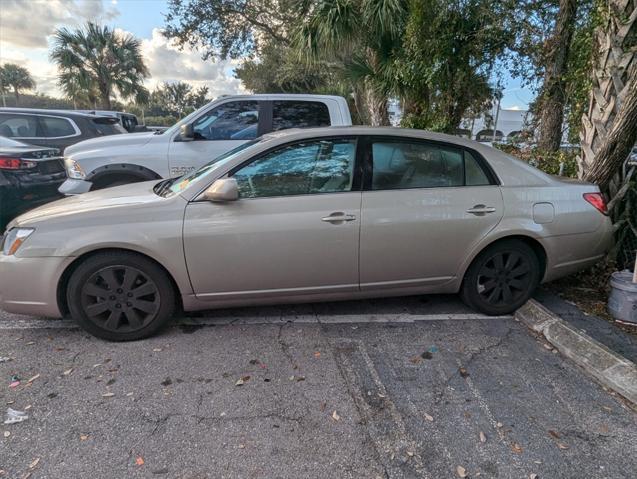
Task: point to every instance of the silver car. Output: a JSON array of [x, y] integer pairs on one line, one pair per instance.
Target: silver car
[[300, 216]]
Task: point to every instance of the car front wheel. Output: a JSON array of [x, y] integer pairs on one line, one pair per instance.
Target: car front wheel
[[501, 278], [120, 296]]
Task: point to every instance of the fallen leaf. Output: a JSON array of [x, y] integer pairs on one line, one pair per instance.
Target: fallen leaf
[[317, 354], [30, 343], [499, 424], [242, 446], [157, 350], [461, 471], [548, 346], [562, 445], [68, 371], [242, 380], [483, 437], [607, 408], [554, 434], [300, 378], [83, 437], [108, 395], [428, 417], [34, 463], [7, 433], [323, 406], [515, 447], [463, 372], [410, 454], [533, 476], [415, 359], [139, 461], [27, 407], [335, 416]]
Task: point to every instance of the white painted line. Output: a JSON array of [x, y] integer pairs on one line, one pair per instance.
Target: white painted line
[[38, 323]]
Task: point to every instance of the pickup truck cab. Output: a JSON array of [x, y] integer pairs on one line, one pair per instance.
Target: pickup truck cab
[[205, 134]]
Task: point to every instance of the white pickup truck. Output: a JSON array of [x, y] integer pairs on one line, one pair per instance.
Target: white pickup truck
[[214, 129]]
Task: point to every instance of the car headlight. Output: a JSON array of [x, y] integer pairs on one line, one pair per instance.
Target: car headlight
[[14, 239], [73, 169]]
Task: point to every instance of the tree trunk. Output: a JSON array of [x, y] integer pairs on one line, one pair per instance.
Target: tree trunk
[[17, 95], [105, 96], [376, 105], [551, 114], [609, 129]]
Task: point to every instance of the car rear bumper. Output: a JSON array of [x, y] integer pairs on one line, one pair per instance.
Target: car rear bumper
[[74, 187], [29, 285]]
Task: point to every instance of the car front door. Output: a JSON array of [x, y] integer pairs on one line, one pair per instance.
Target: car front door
[[424, 208], [216, 131], [294, 230]]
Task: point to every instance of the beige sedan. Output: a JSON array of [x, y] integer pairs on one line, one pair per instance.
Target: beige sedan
[[305, 215]]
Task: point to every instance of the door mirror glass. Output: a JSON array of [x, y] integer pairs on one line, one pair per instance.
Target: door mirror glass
[[222, 190], [187, 132]]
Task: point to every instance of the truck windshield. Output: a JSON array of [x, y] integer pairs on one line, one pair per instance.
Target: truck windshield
[[175, 185]]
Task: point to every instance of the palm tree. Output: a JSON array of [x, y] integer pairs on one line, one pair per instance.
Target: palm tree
[[364, 37], [98, 59], [16, 77], [609, 127]]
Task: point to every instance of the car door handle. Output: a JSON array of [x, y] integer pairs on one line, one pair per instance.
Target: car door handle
[[338, 217], [481, 210]]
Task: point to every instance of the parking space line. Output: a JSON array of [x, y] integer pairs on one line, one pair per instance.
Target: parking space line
[[40, 323]]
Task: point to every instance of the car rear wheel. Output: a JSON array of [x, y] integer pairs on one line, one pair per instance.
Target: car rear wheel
[[120, 296], [501, 278]]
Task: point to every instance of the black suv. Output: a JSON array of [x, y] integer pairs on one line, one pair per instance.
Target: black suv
[[55, 128]]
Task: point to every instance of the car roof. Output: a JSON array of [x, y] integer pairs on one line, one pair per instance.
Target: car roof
[[45, 111]]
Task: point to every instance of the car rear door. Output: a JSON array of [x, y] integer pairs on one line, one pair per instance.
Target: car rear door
[[425, 206], [294, 231], [218, 130]]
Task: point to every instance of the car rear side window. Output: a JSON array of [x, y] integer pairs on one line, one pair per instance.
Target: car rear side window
[[55, 127], [299, 114], [404, 165], [474, 174], [108, 126], [18, 126]]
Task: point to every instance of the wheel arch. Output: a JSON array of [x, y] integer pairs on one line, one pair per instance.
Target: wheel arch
[[122, 169], [530, 241], [70, 269]]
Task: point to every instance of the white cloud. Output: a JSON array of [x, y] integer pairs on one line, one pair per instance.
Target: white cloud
[[29, 24], [169, 64]]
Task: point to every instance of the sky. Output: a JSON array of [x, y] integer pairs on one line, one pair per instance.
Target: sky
[[26, 27]]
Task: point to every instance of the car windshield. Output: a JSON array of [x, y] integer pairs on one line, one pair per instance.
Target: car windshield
[[176, 185], [9, 143]]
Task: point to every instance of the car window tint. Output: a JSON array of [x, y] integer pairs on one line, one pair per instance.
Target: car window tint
[[322, 166], [18, 126], [299, 114], [238, 120], [474, 174], [398, 165], [55, 127]]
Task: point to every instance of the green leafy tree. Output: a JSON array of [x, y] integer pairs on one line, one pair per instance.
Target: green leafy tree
[[449, 55], [97, 59], [17, 78]]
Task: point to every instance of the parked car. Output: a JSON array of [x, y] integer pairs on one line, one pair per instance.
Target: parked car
[[201, 136], [127, 120], [305, 215], [29, 176], [55, 128]]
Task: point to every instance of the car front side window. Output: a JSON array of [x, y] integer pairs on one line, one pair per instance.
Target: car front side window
[[238, 120], [312, 167]]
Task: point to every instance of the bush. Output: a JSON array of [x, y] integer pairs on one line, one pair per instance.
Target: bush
[[549, 162], [160, 120]]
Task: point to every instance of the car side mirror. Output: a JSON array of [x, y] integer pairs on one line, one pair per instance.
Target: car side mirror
[[222, 190], [187, 132]]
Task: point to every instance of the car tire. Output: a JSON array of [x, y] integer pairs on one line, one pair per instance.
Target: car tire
[[120, 296], [501, 278]]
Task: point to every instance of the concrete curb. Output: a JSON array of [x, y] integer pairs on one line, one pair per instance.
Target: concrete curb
[[609, 368]]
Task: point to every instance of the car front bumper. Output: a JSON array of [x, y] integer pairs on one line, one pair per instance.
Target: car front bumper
[[29, 285], [74, 187]]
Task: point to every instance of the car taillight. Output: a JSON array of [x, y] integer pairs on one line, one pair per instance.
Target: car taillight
[[10, 163], [598, 201]]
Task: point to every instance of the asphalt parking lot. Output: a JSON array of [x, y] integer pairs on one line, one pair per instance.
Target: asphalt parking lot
[[406, 387]]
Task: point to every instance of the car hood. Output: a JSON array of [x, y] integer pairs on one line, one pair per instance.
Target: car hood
[[128, 139], [94, 203]]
